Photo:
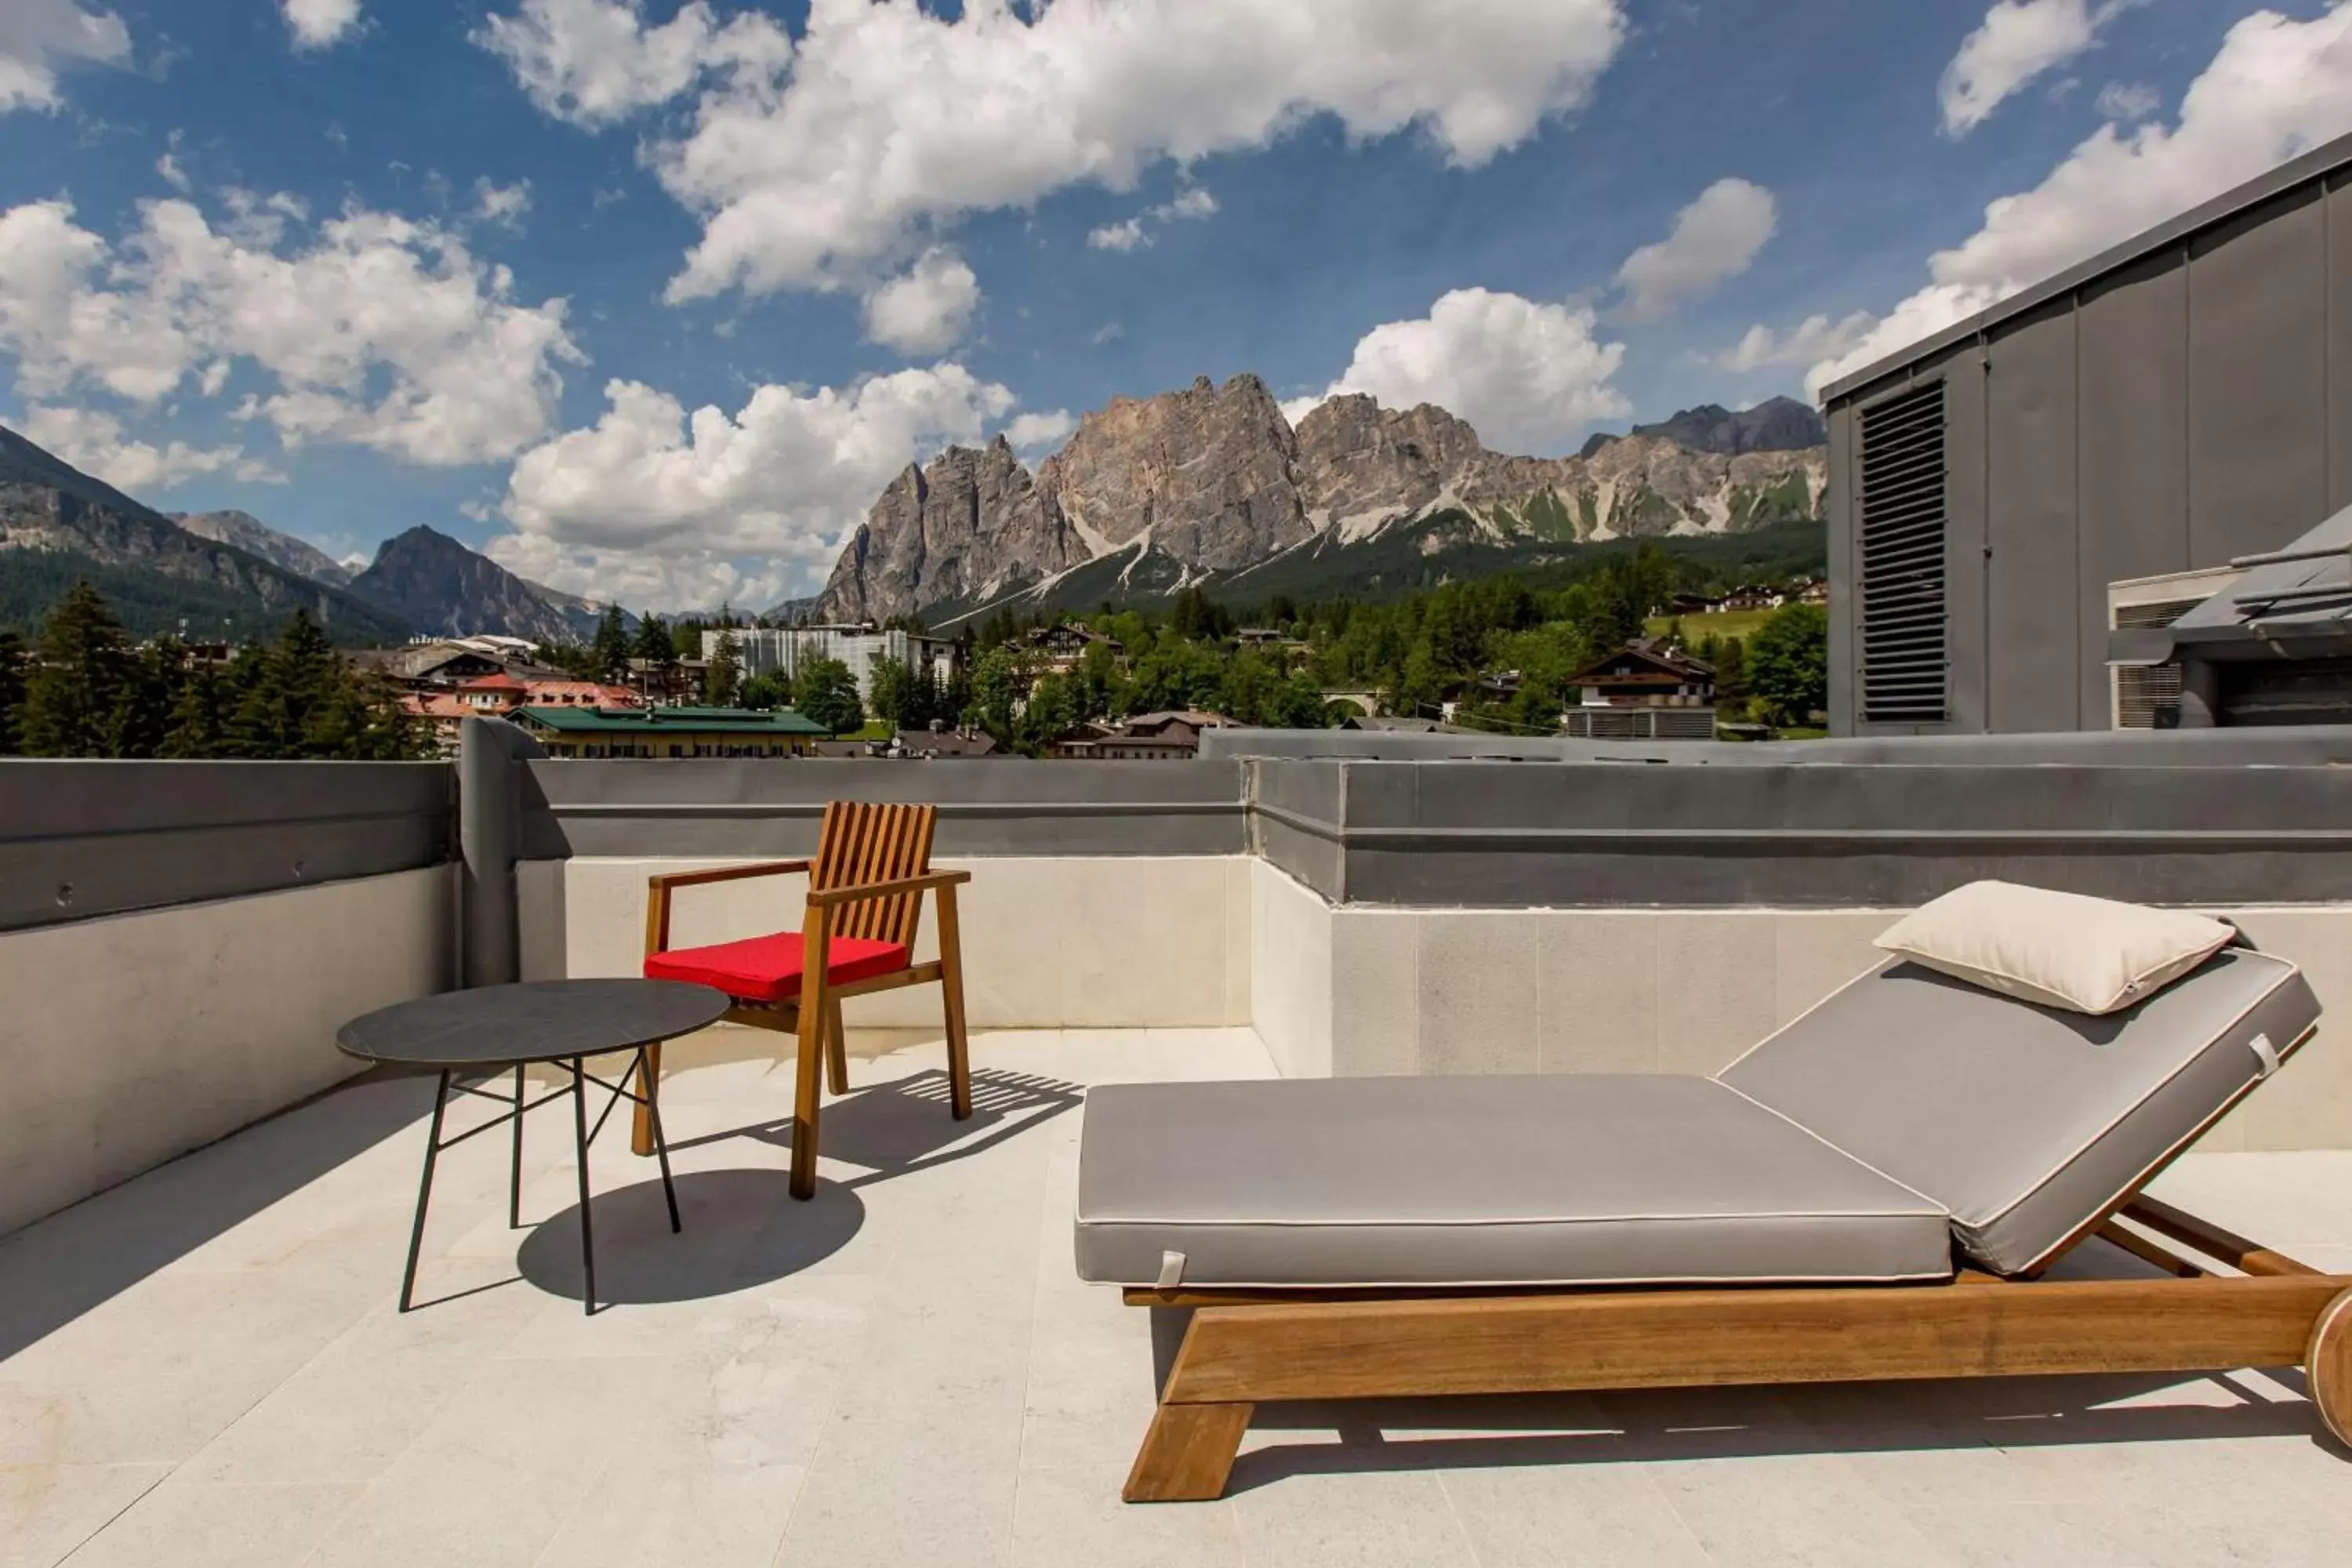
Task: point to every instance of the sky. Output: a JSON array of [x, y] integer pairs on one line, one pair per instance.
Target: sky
[[649, 301]]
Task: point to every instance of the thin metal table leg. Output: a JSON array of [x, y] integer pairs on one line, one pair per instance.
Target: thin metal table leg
[[424, 1191], [587, 1238], [661, 1148], [514, 1183]]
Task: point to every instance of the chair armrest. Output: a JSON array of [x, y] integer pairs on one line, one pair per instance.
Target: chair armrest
[[659, 888], [831, 898], [724, 874]]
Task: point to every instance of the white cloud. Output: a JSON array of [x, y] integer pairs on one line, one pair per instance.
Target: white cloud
[[1814, 338], [319, 23], [501, 203], [662, 506], [1191, 205], [1125, 235], [37, 36], [2277, 88], [2128, 101], [93, 441], [1714, 238], [168, 166], [596, 61], [926, 309], [1029, 432], [2017, 41], [812, 165], [1526, 375], [373, 329]]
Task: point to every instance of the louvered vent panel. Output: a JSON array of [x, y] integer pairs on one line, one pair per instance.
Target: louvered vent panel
[[2146, 694], [1902, 606]]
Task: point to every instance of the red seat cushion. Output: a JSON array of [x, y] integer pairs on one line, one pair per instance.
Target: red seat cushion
[[768, 968]]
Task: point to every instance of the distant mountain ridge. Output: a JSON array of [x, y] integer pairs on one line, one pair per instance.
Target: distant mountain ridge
[[1211, 485], [253, 536], [445, 589], [58, 523]]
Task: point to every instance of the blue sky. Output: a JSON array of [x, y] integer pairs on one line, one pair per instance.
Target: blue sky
[[353, 264]]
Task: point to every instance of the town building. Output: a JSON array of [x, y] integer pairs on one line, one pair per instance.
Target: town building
[[1646, 690], [937, 743], [498, 694], [1059, 649], [668, 732], [785, 652], [2173, 405], [1172, 735]]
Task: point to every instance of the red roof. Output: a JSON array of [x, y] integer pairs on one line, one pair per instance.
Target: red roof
[[498, 682]]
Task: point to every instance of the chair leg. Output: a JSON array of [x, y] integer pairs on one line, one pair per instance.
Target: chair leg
[[836, 1050], [806, 1067], [641, 1119], [951, 1003]]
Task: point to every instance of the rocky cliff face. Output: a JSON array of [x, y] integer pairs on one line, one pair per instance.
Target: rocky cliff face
[[1212, 480], [442, 588], [1208, 473], [253, 536], [967, 527]]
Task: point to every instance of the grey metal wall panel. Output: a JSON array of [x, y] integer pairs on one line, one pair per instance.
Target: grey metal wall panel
[[2030, 581], [1965, 453], [2339, 342], [1845, 646], [2257, 379], [79, 839], [2133, 450]]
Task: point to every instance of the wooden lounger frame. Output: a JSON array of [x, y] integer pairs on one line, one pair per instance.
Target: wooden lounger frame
[[1246, 1348]]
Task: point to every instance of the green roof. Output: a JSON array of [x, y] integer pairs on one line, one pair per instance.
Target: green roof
[[653, 721]]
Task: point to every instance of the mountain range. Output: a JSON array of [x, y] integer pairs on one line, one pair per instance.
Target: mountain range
[[1206, 486], [1210, 486]]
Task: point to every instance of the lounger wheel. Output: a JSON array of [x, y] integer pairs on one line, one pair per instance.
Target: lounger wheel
[[2327, 1367]]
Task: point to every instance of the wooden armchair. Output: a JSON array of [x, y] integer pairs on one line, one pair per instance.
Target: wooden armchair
[[865, 902]]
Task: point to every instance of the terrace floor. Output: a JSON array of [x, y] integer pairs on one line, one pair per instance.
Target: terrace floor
[[204, 1367]]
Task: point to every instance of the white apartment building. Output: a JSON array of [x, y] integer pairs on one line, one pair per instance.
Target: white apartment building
[[784, 650]]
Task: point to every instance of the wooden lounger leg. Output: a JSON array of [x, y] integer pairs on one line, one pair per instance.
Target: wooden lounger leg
[[815, 1009], [1188, 1453], [641, 1121]]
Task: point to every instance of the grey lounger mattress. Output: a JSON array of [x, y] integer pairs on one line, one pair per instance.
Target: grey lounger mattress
[[1905, 1115], [2026, 1122], [1480, 1181]]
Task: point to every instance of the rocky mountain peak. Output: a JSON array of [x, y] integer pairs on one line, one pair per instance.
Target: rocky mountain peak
[[442, 587], [250, 533], [1211, 480]]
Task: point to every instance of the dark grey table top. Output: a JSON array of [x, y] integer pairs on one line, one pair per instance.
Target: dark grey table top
[[537, 1021]]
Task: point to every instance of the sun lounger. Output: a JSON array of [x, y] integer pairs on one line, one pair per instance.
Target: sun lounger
[[1873, 1191]]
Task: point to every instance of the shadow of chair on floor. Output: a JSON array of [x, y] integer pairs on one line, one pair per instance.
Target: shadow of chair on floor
[[901, 1126]]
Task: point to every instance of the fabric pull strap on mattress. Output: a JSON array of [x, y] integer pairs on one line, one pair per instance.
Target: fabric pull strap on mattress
[[1171, 1270], [2267, 1052]]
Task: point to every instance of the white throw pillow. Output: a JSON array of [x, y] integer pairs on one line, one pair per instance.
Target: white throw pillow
[[2060, 950]]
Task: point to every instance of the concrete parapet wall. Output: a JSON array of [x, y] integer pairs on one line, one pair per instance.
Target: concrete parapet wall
[[130, 1038], [1049, 942]]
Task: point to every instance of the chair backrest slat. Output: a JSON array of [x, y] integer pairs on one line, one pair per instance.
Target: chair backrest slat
[[865, 842]]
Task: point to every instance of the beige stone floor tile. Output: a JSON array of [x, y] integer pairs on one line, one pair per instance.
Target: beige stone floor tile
[[906, 1371], [1364, 1516], [210, 1524], [48, 1510], [1068, 1521]]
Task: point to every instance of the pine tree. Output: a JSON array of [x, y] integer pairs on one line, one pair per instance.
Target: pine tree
[[12, 693], [80, 670], [826, 694], [612, 644], [195, 729], [722, 686]]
